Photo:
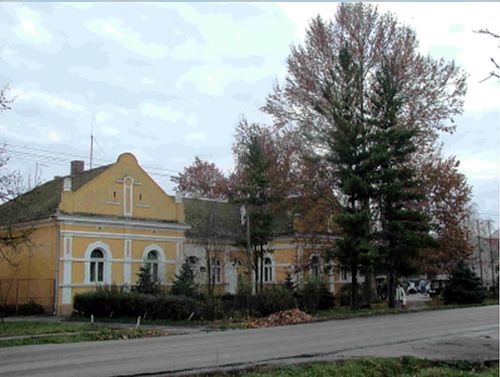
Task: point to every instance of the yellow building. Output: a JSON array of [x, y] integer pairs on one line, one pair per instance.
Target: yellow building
[[98, 227], [92, 228]]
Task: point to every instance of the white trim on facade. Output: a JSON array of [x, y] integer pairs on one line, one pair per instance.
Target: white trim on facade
[[127, 262], [108, 260], [161, 260], [119, 236], [67, 293], [128, 196], [130, 223]]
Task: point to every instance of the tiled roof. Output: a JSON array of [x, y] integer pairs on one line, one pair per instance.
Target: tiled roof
[[43, 200]]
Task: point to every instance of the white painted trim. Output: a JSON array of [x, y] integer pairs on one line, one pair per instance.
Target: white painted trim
[[114, 203], [119, 236], [273, 268], [114, 260], [143, 206], [127, 259], [131, 223], [94, 285], [67, 296], [67, 246], [161, 261], [128, 201], [108, 260]]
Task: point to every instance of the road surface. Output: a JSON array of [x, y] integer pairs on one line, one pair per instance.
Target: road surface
[[470, 334]]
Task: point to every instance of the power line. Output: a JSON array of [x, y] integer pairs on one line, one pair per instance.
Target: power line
[[44, 153]]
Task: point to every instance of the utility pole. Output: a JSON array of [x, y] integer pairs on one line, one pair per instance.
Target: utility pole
[[493, 280], [91, 141], [479, 251]]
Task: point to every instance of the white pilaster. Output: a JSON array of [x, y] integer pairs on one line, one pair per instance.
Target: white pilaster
[[67, 275], [127, 262]]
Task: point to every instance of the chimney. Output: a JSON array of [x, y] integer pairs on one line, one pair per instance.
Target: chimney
[[77, 167]]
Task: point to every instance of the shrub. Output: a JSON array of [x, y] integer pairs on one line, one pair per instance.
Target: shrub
[[463, 287], [31, 308], [146, 283], [345, 294], [271, 301], [6, 310], [184, 283], [106, 302], [315, 295]]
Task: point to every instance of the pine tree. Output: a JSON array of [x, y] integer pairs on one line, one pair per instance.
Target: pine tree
[[463, 287], [145, 282], [256, 195], [184, 284], [349, 153], [402, 228]]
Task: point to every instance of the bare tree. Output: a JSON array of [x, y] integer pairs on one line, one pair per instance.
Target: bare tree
[[495, 72], [212, 229]]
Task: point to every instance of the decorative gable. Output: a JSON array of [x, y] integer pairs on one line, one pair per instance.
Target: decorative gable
[[123, 189]]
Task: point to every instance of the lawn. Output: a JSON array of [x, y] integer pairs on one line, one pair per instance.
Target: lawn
[[371, 367], [24, 333]]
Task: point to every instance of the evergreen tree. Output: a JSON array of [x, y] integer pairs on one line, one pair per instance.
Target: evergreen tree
[[184, 284], [348, 152], [256, 195], [402, 229], [463, 287], [145, 282]]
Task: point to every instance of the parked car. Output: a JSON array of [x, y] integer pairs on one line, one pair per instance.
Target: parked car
[[411, 288]]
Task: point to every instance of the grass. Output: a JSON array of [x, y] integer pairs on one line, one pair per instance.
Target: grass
[[370, 367], [36, 328], [345, 312], [30, 333]]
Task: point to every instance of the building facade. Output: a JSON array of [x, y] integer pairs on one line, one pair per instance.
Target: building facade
[[98, 227]]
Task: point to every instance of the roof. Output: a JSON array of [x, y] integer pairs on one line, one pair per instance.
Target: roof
[[43, 200], [220, 219]]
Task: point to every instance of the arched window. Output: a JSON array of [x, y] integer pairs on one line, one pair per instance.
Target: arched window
[[268, 270], [152, 262], [215, 271], [315, 266], [96, 266]]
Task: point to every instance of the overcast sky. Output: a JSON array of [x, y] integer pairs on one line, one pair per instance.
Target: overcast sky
[[169, 81]]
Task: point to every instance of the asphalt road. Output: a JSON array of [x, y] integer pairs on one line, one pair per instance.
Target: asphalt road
[[470, 334]]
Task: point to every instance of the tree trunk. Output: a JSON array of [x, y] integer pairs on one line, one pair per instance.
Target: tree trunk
[[367, 286], [354, 286], [391, 287], [261, 268]]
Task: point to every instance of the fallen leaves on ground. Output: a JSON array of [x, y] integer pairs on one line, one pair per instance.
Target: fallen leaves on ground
[[287, 317]]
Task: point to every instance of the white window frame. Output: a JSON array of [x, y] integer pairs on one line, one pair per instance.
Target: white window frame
[[160, 261], [312, 267], [268, 270], [107, 262], [215, 270]]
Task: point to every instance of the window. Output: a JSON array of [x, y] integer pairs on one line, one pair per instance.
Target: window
[[343, 274], [215, 272], [315, 266], [268, 270], [152, 264], [97, 266]]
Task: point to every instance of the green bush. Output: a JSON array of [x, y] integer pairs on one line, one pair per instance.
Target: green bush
[[6, 310], [31, 308], [345, 294], [184, 284], [315, 295], [106, 302], [271, 301], [463, 287]]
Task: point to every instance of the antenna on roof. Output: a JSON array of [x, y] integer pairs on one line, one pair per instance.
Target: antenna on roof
[[91, 141]]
